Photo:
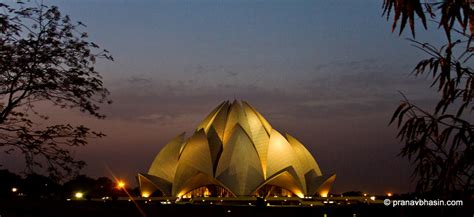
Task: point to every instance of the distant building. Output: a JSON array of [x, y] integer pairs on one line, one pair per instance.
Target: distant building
[[234, 152]]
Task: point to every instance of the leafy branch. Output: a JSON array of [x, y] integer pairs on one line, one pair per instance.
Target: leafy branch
[[45, 57]]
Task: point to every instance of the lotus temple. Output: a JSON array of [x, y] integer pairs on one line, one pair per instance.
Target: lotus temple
[[234, 152]]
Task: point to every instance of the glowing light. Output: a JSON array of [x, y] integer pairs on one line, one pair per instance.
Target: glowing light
[[14, 190], [145, 194], [324, 194], [78, 195], [120, 184], [365, 195], [372, 198], [207, 193], [389, 194], [298, 193]]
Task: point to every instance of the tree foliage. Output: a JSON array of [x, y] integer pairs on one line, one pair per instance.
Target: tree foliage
[[44, 57], [452, 11], [439, 141]]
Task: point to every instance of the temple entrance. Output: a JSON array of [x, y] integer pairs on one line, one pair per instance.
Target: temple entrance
[[209, 191], [273, 190]]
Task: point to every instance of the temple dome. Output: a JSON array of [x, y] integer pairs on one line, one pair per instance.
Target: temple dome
[[234, 152]]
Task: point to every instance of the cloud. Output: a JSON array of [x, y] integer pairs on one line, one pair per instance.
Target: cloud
[[336, 89], [155, 118], [139, 80], [232, 74]]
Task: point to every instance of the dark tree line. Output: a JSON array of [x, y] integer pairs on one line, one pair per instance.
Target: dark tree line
[[36, 186]]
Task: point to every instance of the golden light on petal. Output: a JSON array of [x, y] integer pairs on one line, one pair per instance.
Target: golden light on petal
[[209, 162], [324, 194]]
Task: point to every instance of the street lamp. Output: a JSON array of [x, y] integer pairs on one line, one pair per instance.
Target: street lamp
[[120, 184], [78, 195]]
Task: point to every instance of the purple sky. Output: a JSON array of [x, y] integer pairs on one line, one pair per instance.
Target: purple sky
[[327, 72]]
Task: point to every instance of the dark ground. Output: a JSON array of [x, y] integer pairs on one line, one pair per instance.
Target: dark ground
[[45, 208]]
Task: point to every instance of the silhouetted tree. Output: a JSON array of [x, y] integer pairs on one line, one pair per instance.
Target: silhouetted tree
[[39, 186], [44, 57], [81, 183], [439, 141], [104, 187]]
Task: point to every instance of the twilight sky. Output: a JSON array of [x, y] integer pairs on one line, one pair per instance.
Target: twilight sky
[[327, 72]]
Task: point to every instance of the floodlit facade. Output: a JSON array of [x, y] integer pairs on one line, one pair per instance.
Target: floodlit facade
[[234, 152]]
